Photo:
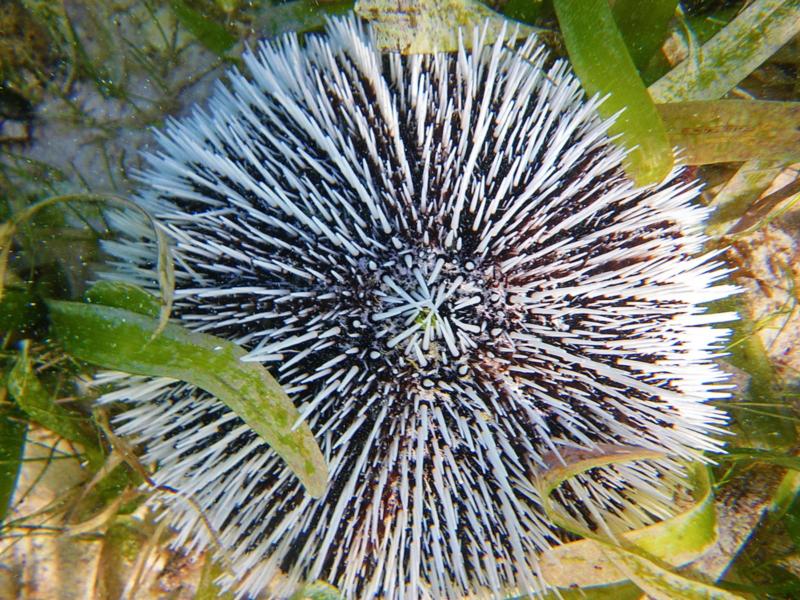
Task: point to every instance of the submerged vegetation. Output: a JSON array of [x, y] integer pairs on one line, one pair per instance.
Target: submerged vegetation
[[83, 81]]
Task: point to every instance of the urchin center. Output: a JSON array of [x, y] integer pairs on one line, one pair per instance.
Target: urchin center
[[432, 309]]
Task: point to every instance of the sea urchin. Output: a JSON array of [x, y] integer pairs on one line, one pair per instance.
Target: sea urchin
[[443, 262]]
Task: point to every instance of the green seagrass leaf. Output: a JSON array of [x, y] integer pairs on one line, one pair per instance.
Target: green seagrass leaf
[[297, 16], [39, 404], [166, 270], [12, 446], [613, 591], [120, 339], [662, 583], [762, 419], [720, 64], [318, 590], [643, 26], [123, 295], [207, 31], [426, 26], [601, 60], [782, 459], [207, 589], [646, 556], [715, 131]]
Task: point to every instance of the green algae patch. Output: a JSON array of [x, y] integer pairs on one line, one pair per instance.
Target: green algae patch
[[120, 339]]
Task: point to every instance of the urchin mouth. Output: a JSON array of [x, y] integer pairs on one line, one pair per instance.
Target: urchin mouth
[[438, 309]]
